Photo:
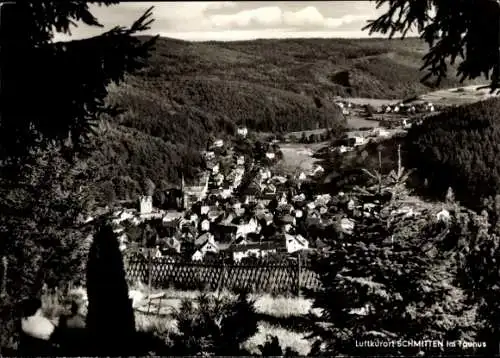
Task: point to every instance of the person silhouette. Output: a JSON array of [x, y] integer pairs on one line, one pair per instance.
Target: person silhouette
[[75, 319], [37, 331], [72, 332]]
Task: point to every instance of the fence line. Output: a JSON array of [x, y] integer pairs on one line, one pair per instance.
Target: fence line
[[263, 277]]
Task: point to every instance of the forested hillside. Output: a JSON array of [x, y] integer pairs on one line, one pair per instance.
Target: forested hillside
[[459, 148], [193, 92]]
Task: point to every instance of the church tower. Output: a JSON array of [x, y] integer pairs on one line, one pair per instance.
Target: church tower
[[183, 193]]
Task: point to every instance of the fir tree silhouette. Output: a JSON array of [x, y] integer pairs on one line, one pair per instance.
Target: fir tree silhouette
[[110, 317]]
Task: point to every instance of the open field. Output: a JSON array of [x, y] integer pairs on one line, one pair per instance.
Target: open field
[[445, 97], [298, 157], [371, 101], [456, 96], [355, 122]]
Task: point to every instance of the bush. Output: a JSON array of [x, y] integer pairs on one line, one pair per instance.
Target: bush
[[272, 348], [214, 326]]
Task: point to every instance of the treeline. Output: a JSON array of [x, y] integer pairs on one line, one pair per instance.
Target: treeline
[[374, 68], [124, 159], [459, 148], [191, 109], [327, 134], [160, 116]]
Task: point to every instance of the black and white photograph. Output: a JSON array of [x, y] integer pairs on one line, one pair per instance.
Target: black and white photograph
[[249, 178]]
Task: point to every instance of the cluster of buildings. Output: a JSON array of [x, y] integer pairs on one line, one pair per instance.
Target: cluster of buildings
[[241, 209], [358, 138], [344, 106], [402, 108], [397, 108], [395, 118]]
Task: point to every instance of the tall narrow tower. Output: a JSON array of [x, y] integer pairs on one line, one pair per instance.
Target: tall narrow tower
[[183, 193]]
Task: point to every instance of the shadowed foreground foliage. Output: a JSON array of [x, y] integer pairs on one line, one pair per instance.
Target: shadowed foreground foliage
[[43, 189]]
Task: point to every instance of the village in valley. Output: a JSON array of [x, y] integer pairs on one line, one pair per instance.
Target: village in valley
[[244, 207]]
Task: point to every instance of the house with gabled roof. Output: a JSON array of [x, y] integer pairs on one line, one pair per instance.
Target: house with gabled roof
[[295, 243], [298, 198], [172, 244], [219, 179], [298, 213], [258, 250], [204, 244], [311, 206], [218, 143], [248, 227], [205, 225], [203, 238], [213, 215], [269, 189], [224, 232], [242, 131], [197, 256]]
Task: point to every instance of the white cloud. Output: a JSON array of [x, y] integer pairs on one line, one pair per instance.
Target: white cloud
[[218, 5], [344, 20], [263, 16], [201, 20], [307, 16], [273, 16]]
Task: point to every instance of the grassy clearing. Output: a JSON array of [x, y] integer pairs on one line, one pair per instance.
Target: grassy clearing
[[277, 306], [456, 96], [356, 122], [298, 157], [284, 317]]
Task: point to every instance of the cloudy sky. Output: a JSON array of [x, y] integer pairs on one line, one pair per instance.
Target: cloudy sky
[[233, 20]]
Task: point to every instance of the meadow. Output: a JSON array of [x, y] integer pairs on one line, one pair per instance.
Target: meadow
[[299, 157], [282, 316]]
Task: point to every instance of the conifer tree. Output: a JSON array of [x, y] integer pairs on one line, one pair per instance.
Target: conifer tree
[[110, 316], [465, 29], [391, 279]]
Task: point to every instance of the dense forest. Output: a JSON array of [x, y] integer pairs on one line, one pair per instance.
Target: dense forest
[[191, 93], [459, 148]]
